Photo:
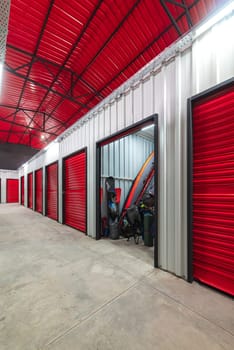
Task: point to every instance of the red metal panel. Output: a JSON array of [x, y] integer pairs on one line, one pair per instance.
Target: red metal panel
[[38, 191], [22, 190], [213, 190], [30, 190], [52, 191], [12, 191], [75, 191]]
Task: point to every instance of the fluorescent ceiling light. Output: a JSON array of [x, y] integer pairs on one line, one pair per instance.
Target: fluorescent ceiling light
[[147, 127], [225, 11]]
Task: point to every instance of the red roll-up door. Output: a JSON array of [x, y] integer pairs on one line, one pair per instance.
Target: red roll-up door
[[75, 191], [52, 191], [38, 191], [12, 190], [213, 190], [22, 190], [30, 190]]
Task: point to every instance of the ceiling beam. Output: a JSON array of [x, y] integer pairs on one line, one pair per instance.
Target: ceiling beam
[[189, 18], [47, 63], [64, 96], [27, 115], [30, 110], [23, 126], [173, 20]]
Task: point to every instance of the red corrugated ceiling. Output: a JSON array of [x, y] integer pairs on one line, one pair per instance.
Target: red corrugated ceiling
[[63, 57]]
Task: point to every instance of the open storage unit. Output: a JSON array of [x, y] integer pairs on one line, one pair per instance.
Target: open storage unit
[[127, 172]]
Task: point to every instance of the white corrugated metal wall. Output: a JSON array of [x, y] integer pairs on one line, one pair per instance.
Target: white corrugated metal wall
[[6, 174], [123, 159], [186, 68]]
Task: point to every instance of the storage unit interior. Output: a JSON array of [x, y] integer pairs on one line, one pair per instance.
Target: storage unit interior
[[127, 200]]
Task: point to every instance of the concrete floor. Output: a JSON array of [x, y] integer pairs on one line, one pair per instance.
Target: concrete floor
[[62, 290]]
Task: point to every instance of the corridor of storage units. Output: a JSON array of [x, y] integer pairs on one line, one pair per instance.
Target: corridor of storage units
[[116, 176]]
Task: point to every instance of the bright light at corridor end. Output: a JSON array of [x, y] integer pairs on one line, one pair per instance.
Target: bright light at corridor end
[[217, 17]]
